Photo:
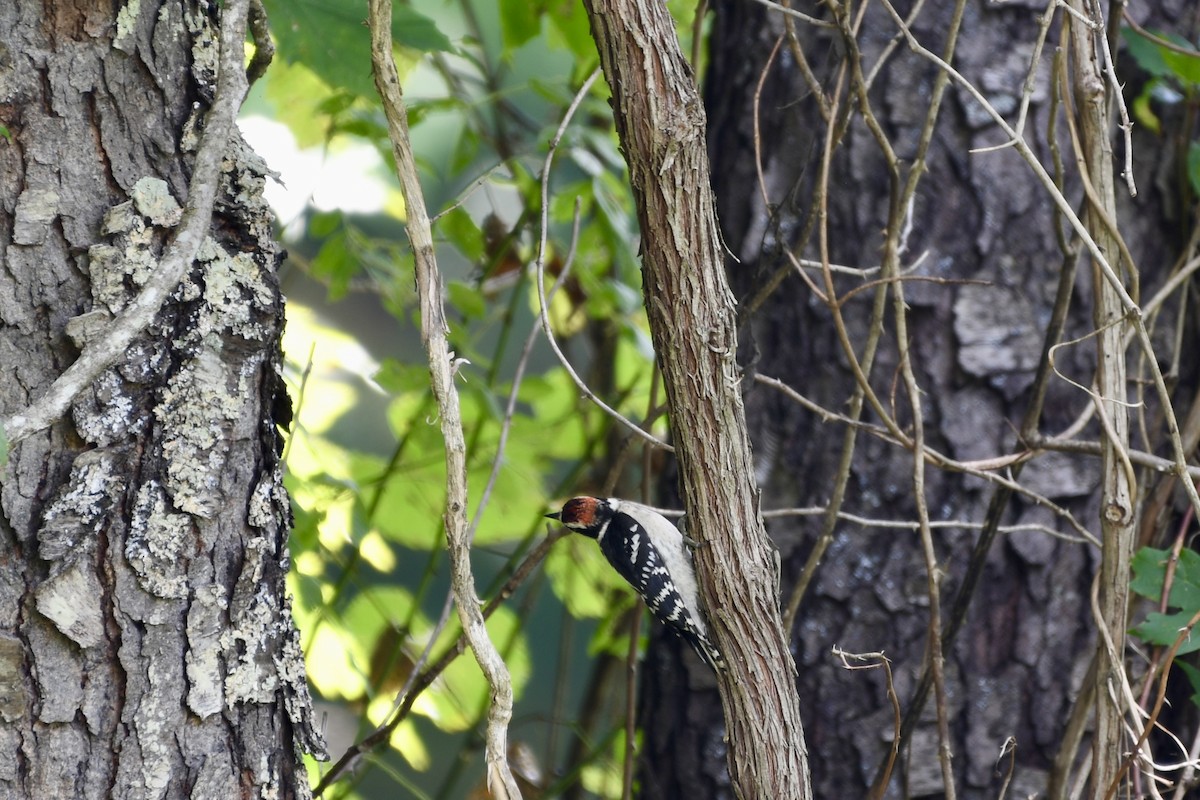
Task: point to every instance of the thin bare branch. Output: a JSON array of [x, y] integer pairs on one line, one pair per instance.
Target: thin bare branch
[[543, 303], [442, 367]]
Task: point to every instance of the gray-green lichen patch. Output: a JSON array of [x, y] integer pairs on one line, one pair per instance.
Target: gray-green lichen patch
[[127, 26], [106, 415], [198, 408], [131, 257], [69, 600], [122, 218], [153, 199], [206, 47], [156, 711], [249, 641], [156, 542], [235, 293], [269, 508], [189, 137], [206, 691], [73, 520], [289, 664]]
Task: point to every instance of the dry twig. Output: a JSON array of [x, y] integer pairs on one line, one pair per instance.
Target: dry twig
[[442, 367]]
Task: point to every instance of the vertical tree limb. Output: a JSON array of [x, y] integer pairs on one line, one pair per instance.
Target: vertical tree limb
[[1116, 500], [661, 122], [442, 367]]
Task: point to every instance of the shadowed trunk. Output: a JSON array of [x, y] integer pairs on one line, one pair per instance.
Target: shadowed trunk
[[1025, 643]]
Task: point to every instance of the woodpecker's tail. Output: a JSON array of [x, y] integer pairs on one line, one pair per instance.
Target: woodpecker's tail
[[708, 653]]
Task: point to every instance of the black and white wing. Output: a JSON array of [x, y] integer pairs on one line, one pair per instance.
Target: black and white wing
[[648, 551]]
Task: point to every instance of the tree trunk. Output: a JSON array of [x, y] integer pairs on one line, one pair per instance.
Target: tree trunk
[[1023, 650], [146, 643], [661, 123]]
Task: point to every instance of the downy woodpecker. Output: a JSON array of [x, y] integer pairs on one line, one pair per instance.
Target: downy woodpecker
[[649, 552]]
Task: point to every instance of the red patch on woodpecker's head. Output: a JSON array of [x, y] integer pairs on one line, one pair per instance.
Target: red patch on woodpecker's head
[[579, 512]]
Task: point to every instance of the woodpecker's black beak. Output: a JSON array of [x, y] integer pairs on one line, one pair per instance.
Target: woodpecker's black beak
[[556, 515]]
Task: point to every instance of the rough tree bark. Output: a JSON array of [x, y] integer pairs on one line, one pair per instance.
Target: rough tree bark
[[146, 644], [1023, 650], [661, 124]]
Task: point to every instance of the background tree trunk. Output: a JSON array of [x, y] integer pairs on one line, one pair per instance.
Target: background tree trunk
[[146, 644], [1021, 656]]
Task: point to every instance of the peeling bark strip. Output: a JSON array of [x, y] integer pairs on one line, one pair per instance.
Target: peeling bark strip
[[661, 123], [146, 643]]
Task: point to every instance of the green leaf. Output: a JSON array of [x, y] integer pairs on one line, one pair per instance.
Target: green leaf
[[1164, 629], [324, 223], [332, 39], [569, 29], [400, 377], [410, 28], [1149, 575], [463, 692], [1185, 66], [1143, 110], [1162, 61], [295, 93], [460, 230], [1193, 676], [1145, 52], [335, 265], [336, 103], [581, 578], [1149, 571], [1193, 166], [3, 448], [520, 21], [467, 299]]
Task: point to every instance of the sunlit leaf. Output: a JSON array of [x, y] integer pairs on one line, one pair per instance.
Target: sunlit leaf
[[603, 777], [296, 94], [1143, 112], [462, 692], [331, 664], [376, 552], [335, 265], [406, 741], [581, 578], [332, 39]]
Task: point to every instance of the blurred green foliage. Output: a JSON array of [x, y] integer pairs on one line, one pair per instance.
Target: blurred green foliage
[[1154, 570], [487, 84], [1173, 64]]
